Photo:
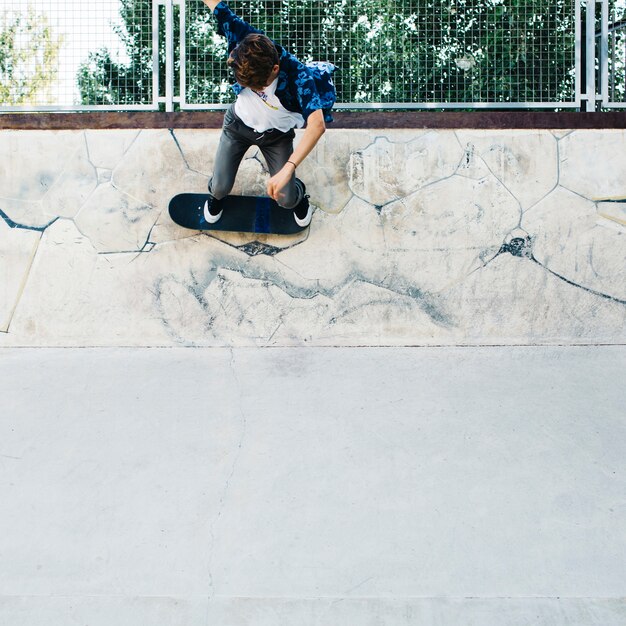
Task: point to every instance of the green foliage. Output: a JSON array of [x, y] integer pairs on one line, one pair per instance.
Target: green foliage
[[398, 51], [105, 81], [28, 57], [405, 51]]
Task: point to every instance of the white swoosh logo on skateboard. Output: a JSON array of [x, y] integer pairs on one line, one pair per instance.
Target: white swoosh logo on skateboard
[[207, 215]]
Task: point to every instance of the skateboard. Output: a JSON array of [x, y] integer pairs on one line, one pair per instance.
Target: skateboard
[[242, 214]]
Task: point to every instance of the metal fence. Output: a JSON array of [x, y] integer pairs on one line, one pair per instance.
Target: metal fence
[[464, 54], [68, 55], [612, 54], [401, 53]]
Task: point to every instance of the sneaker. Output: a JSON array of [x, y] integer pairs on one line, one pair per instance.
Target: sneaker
[[211, 210], [304, 211]]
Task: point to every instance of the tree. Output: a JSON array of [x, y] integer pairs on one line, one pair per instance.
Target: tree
[[28, 57], [398, 51], [102, 80]]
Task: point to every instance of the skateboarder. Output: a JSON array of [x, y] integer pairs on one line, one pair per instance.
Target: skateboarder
[[275, 94]]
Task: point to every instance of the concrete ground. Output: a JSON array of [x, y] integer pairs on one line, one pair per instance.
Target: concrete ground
[[339, 487]]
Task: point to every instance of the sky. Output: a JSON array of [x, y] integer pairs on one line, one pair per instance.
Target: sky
[[86, 26]]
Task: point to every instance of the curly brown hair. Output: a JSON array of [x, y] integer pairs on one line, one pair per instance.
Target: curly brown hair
[[253, 60]]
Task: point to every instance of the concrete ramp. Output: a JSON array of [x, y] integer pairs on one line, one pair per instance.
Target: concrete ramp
[[247, 487], [413, 413], [420, 238]]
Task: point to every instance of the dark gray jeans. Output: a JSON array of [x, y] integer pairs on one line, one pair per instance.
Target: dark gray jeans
[[236, 138]]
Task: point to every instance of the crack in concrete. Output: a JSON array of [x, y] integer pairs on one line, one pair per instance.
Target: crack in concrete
[[147, 248], [182, 154], [573, 284], [563, 137], [255, 157], [180, 149], [12, 224], [226, 488], [70, 161], [124, 152], [148, 245], [519, 204], [380, 207], [522, 248], [517, 246], [577, 194], [22, 288], [558, 181], [95, 168]]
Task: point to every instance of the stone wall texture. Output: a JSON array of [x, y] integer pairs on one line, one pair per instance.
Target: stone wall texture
[[419, 237]]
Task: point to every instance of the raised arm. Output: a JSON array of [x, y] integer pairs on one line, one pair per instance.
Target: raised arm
[[315, 128], [229, 25]]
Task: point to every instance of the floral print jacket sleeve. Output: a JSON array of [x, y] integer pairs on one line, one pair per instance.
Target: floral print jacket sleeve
[[301, 88]]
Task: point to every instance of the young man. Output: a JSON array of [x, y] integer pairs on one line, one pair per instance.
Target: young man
[[275, 94]]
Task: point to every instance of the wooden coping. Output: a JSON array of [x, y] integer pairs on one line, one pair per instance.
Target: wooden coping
[[343, 119]]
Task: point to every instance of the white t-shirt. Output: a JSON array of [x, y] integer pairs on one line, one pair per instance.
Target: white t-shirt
[[262, 110]]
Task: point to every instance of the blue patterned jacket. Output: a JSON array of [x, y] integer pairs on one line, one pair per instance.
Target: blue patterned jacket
[[301, 88]]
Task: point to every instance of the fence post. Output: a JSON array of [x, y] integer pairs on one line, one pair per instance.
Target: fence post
[[155, 54], [169, 55], [604, 54], [590, 61]]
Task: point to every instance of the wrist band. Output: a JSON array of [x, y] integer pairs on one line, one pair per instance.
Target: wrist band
[[294, 165]]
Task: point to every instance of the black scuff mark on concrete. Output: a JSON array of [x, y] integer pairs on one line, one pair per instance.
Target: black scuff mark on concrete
[[195, 287], [516, 246], [424, 301], [379, 208], [469, 153], [258, 248], [267, 277], [254, 248], [427, 303], [519, 247], [38, 229]]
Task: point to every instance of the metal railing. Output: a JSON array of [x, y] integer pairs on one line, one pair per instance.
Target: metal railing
[[412, 54], [612, 55]]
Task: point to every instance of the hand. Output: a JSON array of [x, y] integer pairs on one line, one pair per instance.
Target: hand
[[279, 181]]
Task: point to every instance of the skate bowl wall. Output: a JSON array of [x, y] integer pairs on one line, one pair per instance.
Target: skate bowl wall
[[420, 237]]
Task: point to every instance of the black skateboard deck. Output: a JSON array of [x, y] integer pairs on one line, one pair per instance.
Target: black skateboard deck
[[242, 214]]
